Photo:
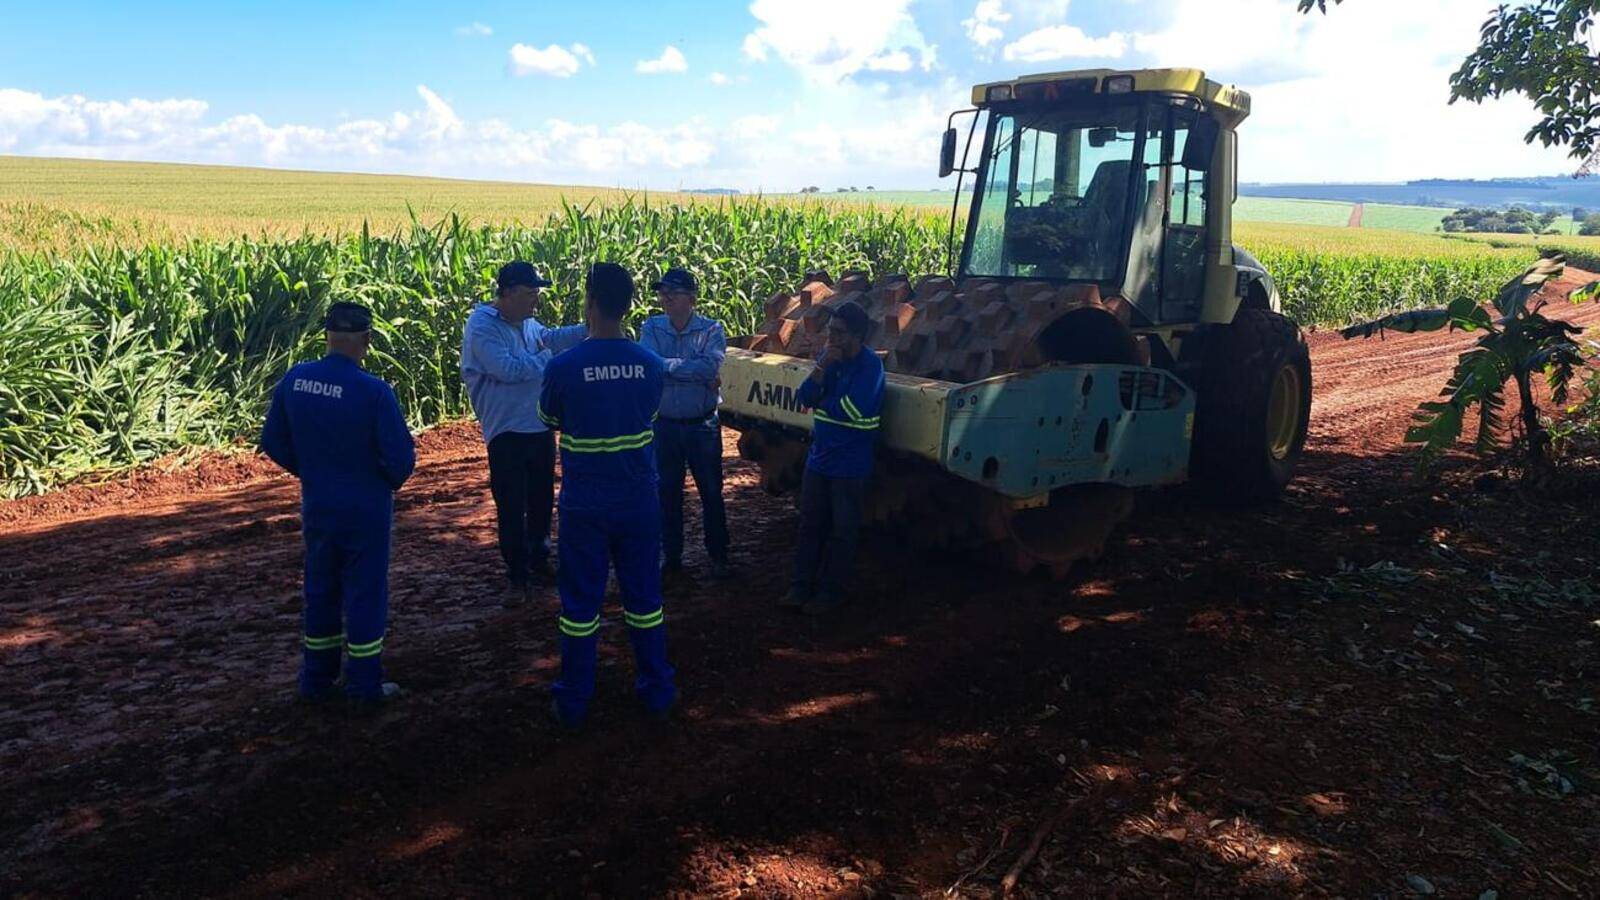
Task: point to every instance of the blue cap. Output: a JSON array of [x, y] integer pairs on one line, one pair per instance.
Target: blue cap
[[519, 274], [676, 279]]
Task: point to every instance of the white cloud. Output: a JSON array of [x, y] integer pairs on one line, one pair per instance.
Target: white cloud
[[28, 120], [1048, 12], [754, 47], [831, 40], [984, 26], [476, 29], [670, 61], [891, 61], [1064, 42], [1238, 34], [432, 140], [554, 60], [1324, 112]]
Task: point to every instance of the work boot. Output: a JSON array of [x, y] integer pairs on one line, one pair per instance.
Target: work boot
[[822, 604], [796, 598], [388, 692]]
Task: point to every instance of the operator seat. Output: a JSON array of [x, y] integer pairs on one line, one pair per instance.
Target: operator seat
[[1106, 200]]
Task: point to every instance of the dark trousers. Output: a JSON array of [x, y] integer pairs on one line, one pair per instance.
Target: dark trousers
[[830, 524], [696, 446], [522, 474], [347, 609]]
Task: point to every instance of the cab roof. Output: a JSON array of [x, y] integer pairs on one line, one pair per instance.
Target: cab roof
[[1228, 102]]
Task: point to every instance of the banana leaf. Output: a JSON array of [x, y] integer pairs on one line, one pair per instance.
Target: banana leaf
[[1513, 298]]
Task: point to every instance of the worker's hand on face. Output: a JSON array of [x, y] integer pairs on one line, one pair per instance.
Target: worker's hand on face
[[828, 358]]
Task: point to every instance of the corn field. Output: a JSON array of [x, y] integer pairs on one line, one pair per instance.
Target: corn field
[[116, 356]]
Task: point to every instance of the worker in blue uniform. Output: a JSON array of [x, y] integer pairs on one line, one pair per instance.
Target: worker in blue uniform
[[687, 432], [340, 431], [603, 396], [845, 393]]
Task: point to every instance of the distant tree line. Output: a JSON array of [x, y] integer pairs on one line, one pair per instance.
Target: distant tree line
[[1516, 220]]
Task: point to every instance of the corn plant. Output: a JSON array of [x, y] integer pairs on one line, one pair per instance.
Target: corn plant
[[115, 355], [1517, 341]]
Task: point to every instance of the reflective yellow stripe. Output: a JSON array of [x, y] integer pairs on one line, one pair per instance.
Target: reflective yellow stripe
[[607, 445], [609, 440], [361, 651], [579, 629], [330, 642], [864, 424], [550, 420], [644, 620], [850, 409]]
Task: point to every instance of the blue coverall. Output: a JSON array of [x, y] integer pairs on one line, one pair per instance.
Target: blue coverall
[[603, 396], [845, 407], [341, 432]]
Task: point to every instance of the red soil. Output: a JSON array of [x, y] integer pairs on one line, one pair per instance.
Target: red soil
[[1210, 710]]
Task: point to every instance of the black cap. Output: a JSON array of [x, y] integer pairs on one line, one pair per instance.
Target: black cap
[[853, 317], [676, 280], [518, 274], [345, 316]]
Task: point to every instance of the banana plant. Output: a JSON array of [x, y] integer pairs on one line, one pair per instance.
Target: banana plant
[[1516, 342]]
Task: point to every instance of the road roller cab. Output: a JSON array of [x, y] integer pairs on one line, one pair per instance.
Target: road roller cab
[[1120, 179]]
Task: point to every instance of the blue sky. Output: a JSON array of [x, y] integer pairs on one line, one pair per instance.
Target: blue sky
[[770, 94]]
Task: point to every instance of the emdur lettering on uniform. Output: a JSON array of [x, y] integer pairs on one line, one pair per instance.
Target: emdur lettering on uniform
[[321, 389], [612, 373]]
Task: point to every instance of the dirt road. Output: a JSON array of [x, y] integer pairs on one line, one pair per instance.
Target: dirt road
[[1323, 695]]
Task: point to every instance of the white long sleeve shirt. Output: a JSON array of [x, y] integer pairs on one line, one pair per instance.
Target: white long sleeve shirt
[[503, 368]]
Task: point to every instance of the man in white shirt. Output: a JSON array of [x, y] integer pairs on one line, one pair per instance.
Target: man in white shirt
[[504, 351]]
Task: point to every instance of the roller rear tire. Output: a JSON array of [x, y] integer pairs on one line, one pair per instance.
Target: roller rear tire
[[1253, 406]]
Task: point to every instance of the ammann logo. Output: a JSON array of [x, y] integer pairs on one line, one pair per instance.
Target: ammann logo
[[777, 395]]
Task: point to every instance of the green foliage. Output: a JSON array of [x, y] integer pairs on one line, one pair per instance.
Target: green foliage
[[1581, 424], [1515, 220], [113, 357], [1330, 285], [1516, 342]]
